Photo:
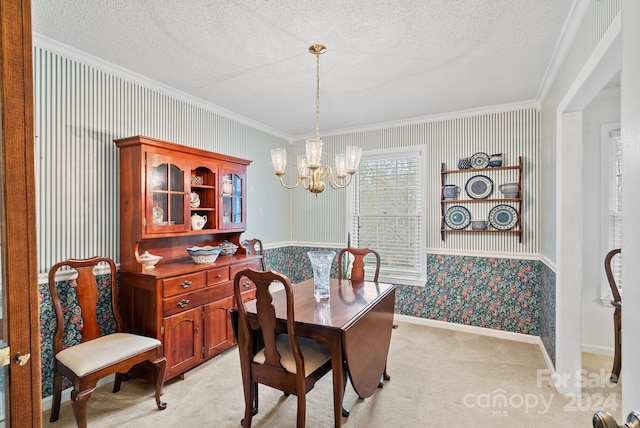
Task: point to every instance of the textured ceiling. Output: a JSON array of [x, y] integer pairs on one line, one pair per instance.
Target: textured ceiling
[[386, 61]]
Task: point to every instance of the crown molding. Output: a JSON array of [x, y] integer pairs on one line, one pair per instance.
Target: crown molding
[[480, 111], [72, 53]]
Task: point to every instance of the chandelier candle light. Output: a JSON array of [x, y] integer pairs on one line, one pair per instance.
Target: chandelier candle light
[[311, 172]]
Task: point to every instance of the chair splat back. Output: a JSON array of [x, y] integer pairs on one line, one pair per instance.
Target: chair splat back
[[267, 316], [88, 300], [357, 270], [254, 247], [86, 290], [609, 271]]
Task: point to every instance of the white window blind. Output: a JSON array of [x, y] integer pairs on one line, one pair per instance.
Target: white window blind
[[387, 211], [615, 205]]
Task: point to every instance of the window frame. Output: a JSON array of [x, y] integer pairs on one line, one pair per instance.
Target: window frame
[[418, 152]]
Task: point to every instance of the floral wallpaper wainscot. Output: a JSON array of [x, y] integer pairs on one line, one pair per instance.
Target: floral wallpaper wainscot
[[548, 310], [294, 262], [503, 294]]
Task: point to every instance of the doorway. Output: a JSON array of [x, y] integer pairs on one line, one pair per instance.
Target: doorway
[[21, 384], [601, 68]]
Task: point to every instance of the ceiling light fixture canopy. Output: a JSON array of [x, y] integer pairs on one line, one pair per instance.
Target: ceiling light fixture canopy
[[311, 172]]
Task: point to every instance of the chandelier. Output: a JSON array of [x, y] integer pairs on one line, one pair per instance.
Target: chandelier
[[311, 172]]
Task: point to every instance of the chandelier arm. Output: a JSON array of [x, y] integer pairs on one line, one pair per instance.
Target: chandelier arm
[[288, 187], [342, 186], [328, 172]]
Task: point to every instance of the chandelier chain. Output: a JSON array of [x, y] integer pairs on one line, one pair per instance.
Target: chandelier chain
[[318, 96]]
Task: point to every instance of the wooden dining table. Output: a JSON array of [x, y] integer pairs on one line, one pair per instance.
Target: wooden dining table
[[354, 323]]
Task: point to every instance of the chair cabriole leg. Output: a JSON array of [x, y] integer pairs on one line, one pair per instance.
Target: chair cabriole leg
[[79, 405], [160, 367]]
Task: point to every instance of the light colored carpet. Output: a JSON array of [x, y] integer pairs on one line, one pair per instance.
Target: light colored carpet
[[439, 378]]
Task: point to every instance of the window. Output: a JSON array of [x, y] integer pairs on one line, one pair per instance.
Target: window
[[612, 183], [387, 212], [615, 204]]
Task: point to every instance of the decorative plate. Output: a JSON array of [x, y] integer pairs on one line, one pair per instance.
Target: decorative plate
[[503, 217], [457, 217], [479, 187], [479, 160]]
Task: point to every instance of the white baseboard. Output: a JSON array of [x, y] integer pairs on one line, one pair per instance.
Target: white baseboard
[[66, 393], [518, 337], [597, 349]]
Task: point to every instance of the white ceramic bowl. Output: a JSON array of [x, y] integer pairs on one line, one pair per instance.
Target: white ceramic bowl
[[479, 224], [149, 260], [510, 190], [204, 255]]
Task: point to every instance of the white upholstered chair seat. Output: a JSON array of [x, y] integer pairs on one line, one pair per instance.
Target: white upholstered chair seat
[[314, 354], [95, 354]]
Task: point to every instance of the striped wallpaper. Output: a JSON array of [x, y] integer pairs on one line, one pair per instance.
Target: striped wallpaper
[[513, 133], [595, 23], [79, 111]]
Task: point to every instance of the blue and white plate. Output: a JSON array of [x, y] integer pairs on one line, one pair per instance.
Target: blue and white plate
[[503, 217], [479, 187], [457, 217], [479, 160]]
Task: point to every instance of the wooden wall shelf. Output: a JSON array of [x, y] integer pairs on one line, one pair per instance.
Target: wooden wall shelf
[[445, 203]]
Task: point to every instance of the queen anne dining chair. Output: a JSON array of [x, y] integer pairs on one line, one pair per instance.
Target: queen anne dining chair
[[617, 315], [89, 343], [284, 361], [357, 273], [254, 247]]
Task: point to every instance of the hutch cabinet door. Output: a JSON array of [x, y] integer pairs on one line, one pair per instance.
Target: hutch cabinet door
[[182, 341], [217, 327], [166, 207], [233, 185]]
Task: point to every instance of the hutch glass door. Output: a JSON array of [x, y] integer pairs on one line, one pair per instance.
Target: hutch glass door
[[232, 201], [166, 210]]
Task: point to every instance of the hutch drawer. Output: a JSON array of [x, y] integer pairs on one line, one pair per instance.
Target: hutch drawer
[[183, 283], [216, 276]]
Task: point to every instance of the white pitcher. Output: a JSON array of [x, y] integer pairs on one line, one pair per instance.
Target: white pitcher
[[198, 222]]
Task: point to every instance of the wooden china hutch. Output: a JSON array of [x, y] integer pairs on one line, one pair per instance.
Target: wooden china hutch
[[183, 304]]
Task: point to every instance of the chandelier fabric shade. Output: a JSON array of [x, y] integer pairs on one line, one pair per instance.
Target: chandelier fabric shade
[[311, 172]]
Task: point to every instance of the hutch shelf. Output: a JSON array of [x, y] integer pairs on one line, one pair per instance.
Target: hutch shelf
[[513, 172], [183, 304]]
